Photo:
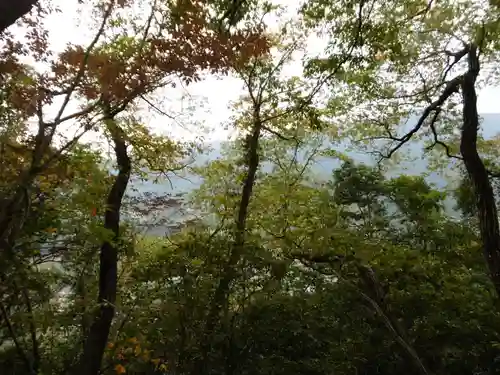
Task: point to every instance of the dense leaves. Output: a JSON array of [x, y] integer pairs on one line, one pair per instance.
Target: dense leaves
[[309, 250]]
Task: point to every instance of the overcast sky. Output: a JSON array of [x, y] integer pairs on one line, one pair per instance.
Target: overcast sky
[[216, 93]]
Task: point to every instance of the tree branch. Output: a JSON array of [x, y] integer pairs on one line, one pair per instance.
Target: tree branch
[[485, 197], [12, 10], [95, 344], [376, 298], [451, 88], [13, 335], [83, 64]]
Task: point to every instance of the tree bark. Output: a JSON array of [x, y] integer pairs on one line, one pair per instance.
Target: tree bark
[[95, 343], [222, 290], [485, 197], [12, 10]]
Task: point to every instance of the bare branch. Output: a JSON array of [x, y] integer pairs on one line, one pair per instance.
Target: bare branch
[[457, 56], [439, 142], [451, 88], [160, 111], [277, 134], [83, 112]]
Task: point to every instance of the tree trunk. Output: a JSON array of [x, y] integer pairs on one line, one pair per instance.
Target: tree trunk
[[95, 343], [12, 10], [485, 198], [222, 290]]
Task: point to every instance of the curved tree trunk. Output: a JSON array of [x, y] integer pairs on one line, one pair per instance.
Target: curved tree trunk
[[95, 342], [485, 198], [222, 290], [12, 10]]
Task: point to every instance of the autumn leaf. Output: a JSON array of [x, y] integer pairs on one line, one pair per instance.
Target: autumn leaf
[[120, 369], [155, 361], [133, 340], [145, 356]]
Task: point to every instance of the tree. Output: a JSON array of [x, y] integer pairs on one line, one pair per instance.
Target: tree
[[329, 257], [420, 45], [286, 268], [115, 70], [11, 11]]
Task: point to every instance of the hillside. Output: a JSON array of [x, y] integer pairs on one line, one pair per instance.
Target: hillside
[[178, 186]]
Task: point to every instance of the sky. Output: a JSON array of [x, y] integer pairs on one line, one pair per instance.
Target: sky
[[211, 97]]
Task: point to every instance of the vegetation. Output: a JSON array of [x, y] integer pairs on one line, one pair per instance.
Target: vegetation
[[284, 270]]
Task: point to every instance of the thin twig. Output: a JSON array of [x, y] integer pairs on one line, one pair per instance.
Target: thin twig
[[83, 64], [451, 88]]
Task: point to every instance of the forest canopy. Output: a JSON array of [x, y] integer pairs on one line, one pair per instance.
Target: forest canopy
[[282, 267]]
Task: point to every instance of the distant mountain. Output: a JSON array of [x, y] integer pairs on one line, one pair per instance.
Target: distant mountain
[[490, 125], [178, 186]]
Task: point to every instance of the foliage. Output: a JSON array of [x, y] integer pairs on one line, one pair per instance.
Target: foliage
[[287, 267]]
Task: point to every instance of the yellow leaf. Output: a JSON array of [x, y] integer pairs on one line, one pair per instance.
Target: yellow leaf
[[163, 367], [155, 361], [380, 56], [133, 340], [120, 369], [137, 350]]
